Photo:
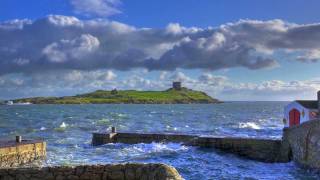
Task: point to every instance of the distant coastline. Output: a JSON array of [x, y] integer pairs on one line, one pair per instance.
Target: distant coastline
[[169, 96]]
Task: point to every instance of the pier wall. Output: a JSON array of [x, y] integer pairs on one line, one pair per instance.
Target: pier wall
[[135, 138], [98, 172], [14, 153], [266, 150]]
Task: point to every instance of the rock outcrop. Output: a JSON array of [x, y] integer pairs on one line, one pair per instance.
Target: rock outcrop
[[303, 143], [95, 172]]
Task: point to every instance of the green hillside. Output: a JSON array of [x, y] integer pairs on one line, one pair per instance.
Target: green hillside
[[170, 96]]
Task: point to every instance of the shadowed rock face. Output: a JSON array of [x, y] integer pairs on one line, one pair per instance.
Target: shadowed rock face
[[304, 143], [102, 172]]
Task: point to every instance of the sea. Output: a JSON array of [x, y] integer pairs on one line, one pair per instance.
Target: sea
[[68, 129]]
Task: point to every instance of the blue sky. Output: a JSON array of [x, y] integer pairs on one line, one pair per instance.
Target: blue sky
[[146, 13], [233, 50]]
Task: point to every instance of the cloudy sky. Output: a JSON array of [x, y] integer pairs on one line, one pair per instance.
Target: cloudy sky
[[233, 50]]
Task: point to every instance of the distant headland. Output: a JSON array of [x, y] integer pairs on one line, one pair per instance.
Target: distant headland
[[175, 95]]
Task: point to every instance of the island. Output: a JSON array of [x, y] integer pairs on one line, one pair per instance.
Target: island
[[174, 95]]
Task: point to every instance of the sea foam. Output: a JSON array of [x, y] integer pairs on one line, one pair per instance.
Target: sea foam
[[249, 125]]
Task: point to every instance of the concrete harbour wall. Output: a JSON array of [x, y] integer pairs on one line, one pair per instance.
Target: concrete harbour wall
[[14, 153], [266, 150], [94, 172]]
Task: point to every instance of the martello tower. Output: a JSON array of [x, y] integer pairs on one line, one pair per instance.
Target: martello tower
[[176, 85]]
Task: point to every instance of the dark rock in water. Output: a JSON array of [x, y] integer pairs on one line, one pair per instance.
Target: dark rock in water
[[303, 142]]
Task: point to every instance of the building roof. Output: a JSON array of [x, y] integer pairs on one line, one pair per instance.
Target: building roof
[[308, 104]]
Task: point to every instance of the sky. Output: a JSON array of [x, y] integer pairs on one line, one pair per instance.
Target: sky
[[246, 50]]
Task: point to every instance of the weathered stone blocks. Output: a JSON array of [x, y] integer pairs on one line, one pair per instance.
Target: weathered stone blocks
[[95, 172], [13, 154]]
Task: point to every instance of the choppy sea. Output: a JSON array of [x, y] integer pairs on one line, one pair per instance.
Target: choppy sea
[[68, 128]]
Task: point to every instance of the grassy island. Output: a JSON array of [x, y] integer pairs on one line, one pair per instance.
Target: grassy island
[[170, 96]]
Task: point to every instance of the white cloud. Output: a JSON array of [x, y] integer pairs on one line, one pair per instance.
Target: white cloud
[[77, 48], [210, 79], [312, 55], [272, 90], [15, 24], [95, 44], [163, 75], [214, 42], [174, 28], [73, 76], [102, 8], [63, 21], [108, 76], [180, 76], [120, 28]]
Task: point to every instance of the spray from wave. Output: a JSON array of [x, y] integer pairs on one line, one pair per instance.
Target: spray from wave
[[63, 126], [249, 125]]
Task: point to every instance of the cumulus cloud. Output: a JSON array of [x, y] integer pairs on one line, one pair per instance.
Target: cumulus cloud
[[66, 50], [67, 43], [180, 76], [53, 83], [102, 8], [14, 24], [312, 55], [108, 76]]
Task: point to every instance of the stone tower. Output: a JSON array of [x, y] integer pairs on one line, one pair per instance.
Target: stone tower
[[318, 99], [176, 86]]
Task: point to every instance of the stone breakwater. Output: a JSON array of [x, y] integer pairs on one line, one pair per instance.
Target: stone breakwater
[[266, 150], [14, 153], [94, 172]]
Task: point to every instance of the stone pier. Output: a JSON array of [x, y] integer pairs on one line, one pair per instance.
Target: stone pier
[[19, 152], [266, 150]]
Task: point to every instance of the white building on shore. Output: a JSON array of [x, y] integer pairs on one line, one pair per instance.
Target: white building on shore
[[300, 111]]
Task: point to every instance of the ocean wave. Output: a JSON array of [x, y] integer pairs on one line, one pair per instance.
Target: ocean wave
[[103, 121], [118, 115], [160, 147], [142, 150], [63, 126], [249, 125]]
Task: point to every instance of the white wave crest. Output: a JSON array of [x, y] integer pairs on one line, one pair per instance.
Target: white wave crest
[[155, 148], [63, 125], [249, 125]]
